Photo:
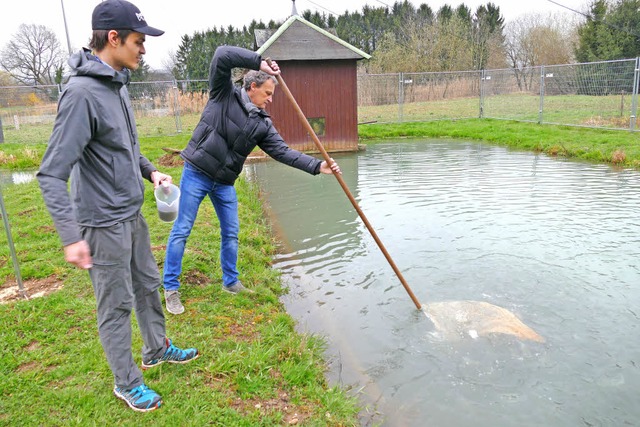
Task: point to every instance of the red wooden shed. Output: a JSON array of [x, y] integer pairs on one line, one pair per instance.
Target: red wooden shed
[[319, 69]]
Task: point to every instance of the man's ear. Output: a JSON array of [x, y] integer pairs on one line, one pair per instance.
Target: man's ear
[[113, 38]]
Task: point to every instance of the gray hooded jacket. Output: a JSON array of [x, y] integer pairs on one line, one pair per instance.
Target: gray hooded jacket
[[94, 144]]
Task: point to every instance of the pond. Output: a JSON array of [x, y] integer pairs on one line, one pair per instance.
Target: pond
[[553, 241], [16, 177]]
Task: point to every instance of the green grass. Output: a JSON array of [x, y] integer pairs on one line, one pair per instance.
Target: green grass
[[420, 111], [255, 369], [579, 110]]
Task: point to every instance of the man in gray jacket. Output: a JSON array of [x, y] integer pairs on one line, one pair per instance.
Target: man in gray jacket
[[232, 124], [95, 145]]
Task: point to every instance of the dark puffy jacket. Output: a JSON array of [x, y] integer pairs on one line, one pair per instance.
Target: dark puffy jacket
[[231, 126]]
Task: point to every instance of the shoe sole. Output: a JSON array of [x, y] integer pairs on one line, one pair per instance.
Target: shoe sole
[[145, 367], [175, 312], [153, 408], [244, 291]]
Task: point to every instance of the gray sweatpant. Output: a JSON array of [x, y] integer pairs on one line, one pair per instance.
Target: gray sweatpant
[[125, 276]]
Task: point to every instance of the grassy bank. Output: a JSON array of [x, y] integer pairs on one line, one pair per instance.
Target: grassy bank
[[606, 146], [255, 370]]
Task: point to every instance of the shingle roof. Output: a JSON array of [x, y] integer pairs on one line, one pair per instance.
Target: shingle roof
[[299, 39]]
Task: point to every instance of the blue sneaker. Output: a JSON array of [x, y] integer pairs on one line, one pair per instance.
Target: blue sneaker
[[141, 398], [173, 354]]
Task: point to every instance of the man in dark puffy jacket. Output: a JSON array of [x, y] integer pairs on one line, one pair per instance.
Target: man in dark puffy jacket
[[232, 124], [95, 145]]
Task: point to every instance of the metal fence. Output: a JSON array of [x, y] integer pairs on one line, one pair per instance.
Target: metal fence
[[597, 94]]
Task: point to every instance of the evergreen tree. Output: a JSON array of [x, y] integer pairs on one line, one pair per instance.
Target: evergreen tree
[[611, 31], [194, 54], [487, 35], [594, 36], [625, 20], [446, 40]]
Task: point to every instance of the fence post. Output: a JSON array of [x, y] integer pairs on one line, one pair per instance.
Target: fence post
[[400, 96], [12, 249], [482, 77], [176, 106], [540, 111], [1, 132], [634, 96]]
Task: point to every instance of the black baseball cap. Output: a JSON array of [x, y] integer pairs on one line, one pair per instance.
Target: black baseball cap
[[121, 15]]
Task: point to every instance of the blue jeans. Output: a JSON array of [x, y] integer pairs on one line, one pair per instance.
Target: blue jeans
[[194, 186]]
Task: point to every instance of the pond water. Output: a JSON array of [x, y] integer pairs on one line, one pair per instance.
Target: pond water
[[553, 241], [16, 178]]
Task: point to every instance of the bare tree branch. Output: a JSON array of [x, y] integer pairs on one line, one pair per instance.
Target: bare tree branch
[[534, 40], [33, 56]]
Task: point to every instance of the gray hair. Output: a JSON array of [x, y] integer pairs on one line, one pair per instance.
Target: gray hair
[[257, 77]]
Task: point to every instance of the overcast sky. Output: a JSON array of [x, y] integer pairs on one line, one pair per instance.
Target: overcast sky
[[180, 17]]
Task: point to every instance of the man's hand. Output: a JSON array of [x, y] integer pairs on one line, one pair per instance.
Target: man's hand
[[160, 178], [78, 254], [272, 69], [328, 169]]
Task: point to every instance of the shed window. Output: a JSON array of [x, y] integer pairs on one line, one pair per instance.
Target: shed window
[[318, 125]]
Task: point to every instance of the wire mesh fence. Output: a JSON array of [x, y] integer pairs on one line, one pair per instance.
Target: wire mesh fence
[[26, 112], [400, 97], [598, 94]]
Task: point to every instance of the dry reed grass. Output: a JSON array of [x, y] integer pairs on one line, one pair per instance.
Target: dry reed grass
[[618, 157]]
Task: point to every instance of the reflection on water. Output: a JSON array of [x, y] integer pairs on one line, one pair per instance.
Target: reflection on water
[[14, 178], [555, 242]]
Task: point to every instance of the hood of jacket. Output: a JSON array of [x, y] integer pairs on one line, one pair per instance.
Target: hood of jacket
[[85, 63]]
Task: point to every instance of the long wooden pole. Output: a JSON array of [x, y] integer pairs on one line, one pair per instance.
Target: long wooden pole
[[305, 122]]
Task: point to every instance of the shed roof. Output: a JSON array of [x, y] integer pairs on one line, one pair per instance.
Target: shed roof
[[299, 39]]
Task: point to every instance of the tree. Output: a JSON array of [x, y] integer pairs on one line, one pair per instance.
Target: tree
[[170, 64], [401, 37], [7, 93], [594, 37], [488, 37], [449, 40], [366, 30], [6, 79], [316, 18], [192, 60], [533, 40], [625, 18], [141, 74], [34, 56], [611, 31], [442, 46]]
